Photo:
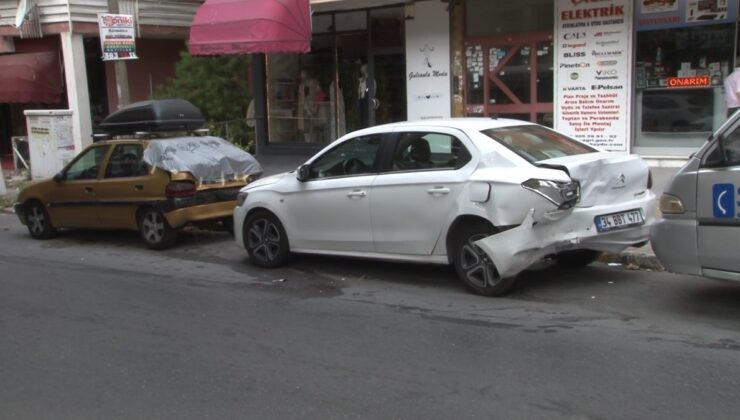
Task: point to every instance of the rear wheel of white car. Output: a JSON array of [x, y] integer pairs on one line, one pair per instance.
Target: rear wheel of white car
[[265, 240], [38, 221], [474, 267], [577, 258], [155, 230]]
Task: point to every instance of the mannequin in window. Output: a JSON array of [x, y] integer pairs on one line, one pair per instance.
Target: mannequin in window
[[363, 95], [309, 98]]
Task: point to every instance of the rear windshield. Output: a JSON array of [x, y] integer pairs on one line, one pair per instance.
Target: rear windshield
[[535, 143]]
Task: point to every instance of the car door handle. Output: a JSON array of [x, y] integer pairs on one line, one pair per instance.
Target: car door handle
[[356, 194], [138, 187], [88, 190], [438, 191]]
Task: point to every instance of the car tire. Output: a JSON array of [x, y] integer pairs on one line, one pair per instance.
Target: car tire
[[265, 240], [38, 221], [155, 230], [473, 266], [577, 258]]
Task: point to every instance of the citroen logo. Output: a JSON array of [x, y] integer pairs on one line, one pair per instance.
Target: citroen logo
[[620, 182]]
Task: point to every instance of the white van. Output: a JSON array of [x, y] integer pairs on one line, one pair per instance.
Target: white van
[[699, 232]]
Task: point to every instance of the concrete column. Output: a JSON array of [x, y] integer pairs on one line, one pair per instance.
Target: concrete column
[[78, 94]]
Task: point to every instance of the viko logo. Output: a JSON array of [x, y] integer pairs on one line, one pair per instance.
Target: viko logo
[[606, 72]]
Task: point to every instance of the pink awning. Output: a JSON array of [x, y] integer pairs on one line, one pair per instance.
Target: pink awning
[[251, 26], [31, 77]]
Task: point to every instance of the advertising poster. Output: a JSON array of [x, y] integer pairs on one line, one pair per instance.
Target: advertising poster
[[117, 37], [663, 14], [593, 71], [428, 62]]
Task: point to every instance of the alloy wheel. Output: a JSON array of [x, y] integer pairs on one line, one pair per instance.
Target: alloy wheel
[[477, 265], [153, 227], [263, 238], [36, 220]]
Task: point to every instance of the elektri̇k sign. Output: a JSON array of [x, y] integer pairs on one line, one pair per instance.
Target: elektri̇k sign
[[593, 54]]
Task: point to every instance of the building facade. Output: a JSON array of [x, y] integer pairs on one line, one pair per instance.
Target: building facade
[[631, 76]]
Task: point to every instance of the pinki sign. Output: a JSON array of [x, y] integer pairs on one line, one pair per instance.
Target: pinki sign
[[117, 37]]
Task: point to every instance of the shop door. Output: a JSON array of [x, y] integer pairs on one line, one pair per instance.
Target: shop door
[[511, 77]]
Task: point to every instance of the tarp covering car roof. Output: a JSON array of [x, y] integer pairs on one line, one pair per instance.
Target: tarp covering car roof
[[208, 158]]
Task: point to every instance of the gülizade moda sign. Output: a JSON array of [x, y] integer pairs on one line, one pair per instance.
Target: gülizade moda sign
[[117, 37], [428, 62], [593, 39]]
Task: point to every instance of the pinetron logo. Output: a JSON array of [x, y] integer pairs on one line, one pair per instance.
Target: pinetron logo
[[581, 65]]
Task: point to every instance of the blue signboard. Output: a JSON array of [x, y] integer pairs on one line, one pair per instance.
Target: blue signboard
[[723, 200], [663, 14]]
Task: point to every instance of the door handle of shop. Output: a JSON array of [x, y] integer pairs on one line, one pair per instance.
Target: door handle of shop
[[356, 194], [88, 190], [438, 190], [138, 187]]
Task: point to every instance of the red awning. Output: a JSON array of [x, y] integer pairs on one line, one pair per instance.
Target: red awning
[[251, 26], [31, 77]]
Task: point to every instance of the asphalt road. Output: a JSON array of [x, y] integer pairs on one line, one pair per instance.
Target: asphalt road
[[93, 325]]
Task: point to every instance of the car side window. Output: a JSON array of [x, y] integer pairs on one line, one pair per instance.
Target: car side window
[[356, 156], [126, 161], [425, 151], [731, 147], [87, 165]]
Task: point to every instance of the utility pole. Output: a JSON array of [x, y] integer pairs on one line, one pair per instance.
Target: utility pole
[[121, 71]]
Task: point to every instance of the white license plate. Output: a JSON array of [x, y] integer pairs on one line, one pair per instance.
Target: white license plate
[[621, 220]]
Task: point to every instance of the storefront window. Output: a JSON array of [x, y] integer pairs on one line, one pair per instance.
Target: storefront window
[[353, 77], [678, 78]]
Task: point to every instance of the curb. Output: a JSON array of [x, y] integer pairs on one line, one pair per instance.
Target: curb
[[633, 261]]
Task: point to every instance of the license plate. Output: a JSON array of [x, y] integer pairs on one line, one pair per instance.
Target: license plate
[[621, 220]]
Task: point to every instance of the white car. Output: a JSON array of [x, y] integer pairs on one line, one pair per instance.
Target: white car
[[490, 196]]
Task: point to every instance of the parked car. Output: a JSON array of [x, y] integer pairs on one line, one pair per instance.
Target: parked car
[[490, 196], [699, 232], [143, 182]]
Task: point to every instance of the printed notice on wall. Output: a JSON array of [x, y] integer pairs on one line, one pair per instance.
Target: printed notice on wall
[[117, 36], [593, 72], [428, 62]]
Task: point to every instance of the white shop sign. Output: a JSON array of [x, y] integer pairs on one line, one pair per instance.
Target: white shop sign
[[428, 62], [593, 66]]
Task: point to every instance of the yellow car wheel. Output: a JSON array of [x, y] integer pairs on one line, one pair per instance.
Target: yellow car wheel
[[38, 221], [155, 231]]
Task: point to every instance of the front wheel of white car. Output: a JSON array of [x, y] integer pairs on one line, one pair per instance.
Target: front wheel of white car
[[265, 240], [474, 267]]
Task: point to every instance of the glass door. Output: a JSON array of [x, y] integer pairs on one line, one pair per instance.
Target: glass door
[[511, 77]]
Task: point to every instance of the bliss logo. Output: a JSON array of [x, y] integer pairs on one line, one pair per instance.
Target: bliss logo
[[574, 54]]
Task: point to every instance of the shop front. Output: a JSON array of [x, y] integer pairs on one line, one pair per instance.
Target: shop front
[[633, 76], [366, 66]]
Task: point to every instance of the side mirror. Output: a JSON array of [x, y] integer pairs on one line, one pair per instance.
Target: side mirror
[[59, 177], [303, 173]]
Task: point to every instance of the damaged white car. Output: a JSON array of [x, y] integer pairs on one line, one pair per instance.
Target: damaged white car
[[490, 196]]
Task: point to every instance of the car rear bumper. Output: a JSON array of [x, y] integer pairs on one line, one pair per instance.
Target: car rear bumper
[[205, 205], [516, 249]]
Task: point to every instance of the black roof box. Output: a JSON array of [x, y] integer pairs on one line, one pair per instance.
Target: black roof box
[[153, 116]]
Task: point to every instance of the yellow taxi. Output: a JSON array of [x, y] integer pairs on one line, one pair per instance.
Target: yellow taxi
[[142, 182]]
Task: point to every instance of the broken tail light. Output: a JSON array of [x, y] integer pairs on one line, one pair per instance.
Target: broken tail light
[[562, 194], [180, 189]]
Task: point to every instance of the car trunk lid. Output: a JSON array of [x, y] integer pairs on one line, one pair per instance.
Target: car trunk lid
[[604, 177]]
